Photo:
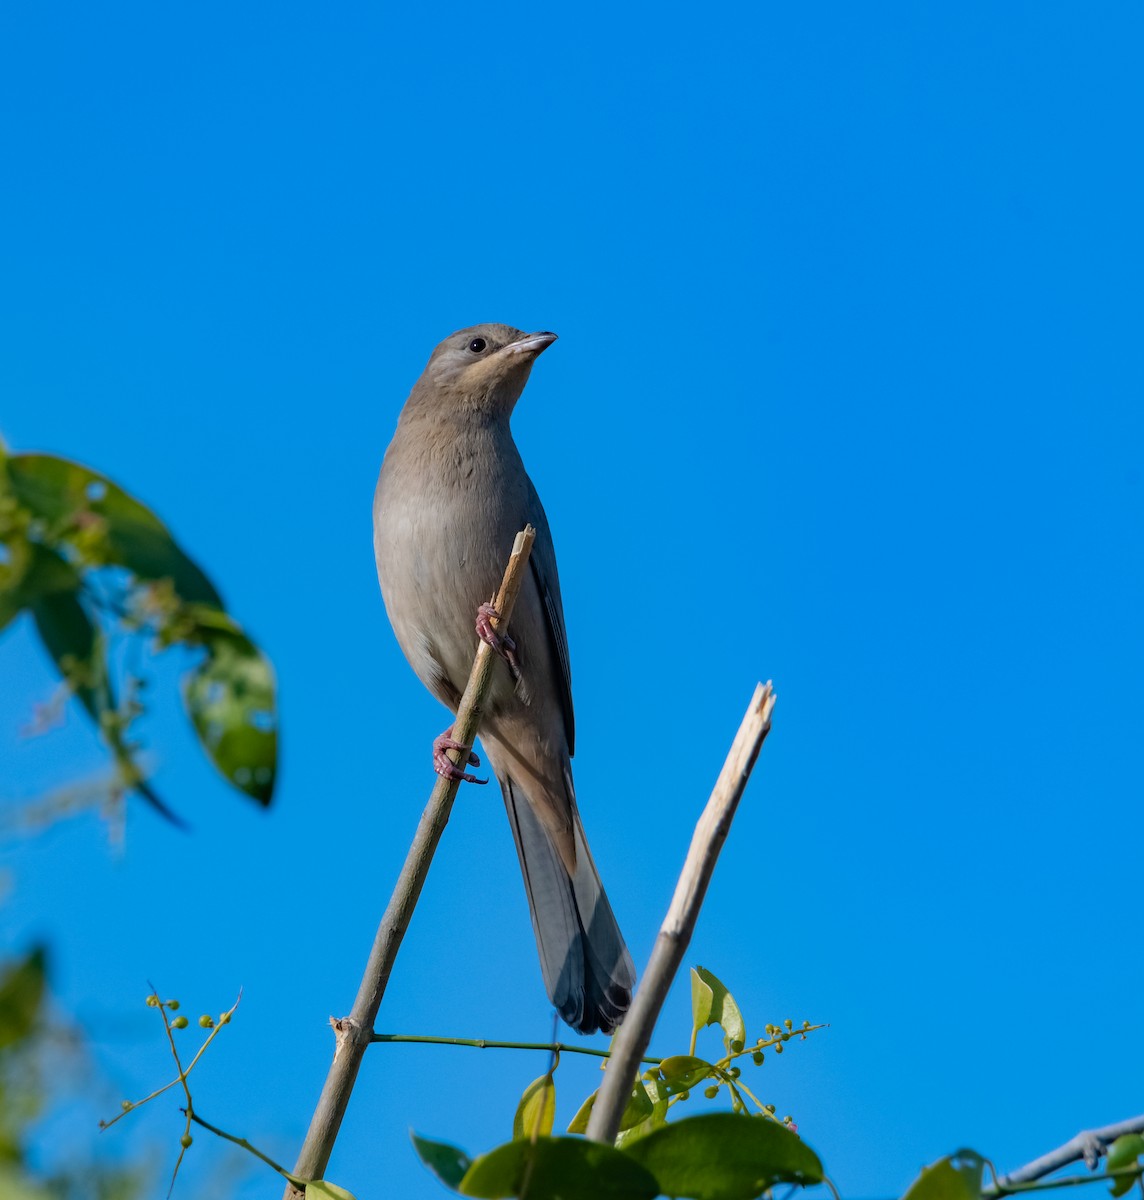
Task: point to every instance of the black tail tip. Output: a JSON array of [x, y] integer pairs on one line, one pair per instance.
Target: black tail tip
[[602, 1010]]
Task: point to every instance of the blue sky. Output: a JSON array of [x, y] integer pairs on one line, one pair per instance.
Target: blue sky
[[848, 395]]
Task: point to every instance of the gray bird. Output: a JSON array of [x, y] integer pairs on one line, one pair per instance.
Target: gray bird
[[451, 496]]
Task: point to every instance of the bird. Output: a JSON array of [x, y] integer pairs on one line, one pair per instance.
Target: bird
[[451, 495]]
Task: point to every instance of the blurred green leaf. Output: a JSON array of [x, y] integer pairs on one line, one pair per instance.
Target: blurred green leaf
[[229, 696], [717, 1005], [681, 1072], [21, 994], [60, 491], [230, 700], [1124, 1152], [15, 1185], [721, 1156], [536, 1111], [570, 1168], [321, 1189], [32, 572], [76, 648], [446, 1162], [957, 1177]]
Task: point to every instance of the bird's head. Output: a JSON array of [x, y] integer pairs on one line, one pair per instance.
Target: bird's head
[[485, 367]]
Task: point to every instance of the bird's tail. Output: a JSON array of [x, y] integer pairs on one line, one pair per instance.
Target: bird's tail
[[586, 965]]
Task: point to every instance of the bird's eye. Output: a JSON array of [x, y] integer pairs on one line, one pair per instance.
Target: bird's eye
[[477, 345]]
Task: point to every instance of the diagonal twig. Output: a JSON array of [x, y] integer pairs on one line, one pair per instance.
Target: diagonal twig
[[1088, 1147], [353, 1033], [670, 946]]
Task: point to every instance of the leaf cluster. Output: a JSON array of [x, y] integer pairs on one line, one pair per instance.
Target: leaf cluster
[[91, 565], [34, 1049], [732, 1155]]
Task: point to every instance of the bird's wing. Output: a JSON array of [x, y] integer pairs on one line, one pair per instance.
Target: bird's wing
[[543, 564]]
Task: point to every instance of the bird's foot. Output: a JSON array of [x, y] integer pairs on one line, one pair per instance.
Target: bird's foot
[[500, 642], [445, 766]]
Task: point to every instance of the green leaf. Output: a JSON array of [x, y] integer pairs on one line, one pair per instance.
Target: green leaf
[[681, 1072], [721, 1156], [231, 702], [636, 1111], [446, 1162], [579, 1123], [1124, 1152], [536, 1111], [71, 639], [957, 1177], [21, 993], [32, 572], [229, 697], [569, 1168], [79, 651], [321, 1189], [16, 1185], [657, 1094], [64, 492], [638, 1107], [702, 997], [719, 1008]]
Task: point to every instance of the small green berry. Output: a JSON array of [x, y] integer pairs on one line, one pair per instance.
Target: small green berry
[[789, 1025], [180, 1022], [684, 1094], [186, 1140], [736, 1045], [224, 1019], [711, 1092], [788, 1119], [206, 1021], [152, 1001], [173, 1005], [806, 1024], [757, 1058], [770, 1108], [779, 1048], [126, 1105], [734, 1072]]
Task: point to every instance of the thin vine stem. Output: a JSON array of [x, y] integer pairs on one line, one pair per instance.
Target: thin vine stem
[[491, 1044], [240, 1141]]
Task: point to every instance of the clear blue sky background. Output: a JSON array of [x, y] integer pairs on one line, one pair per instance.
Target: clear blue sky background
[[848, 394]]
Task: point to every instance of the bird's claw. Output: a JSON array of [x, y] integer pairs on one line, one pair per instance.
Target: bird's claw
[[500, 642], [445, 766]]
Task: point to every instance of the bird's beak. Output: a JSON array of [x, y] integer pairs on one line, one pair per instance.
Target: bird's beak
[[531, 344]]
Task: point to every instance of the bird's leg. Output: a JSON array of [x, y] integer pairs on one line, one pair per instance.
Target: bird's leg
[[445, 766], [500, 642]]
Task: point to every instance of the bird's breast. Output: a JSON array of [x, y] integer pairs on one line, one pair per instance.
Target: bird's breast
[[440, 518]]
